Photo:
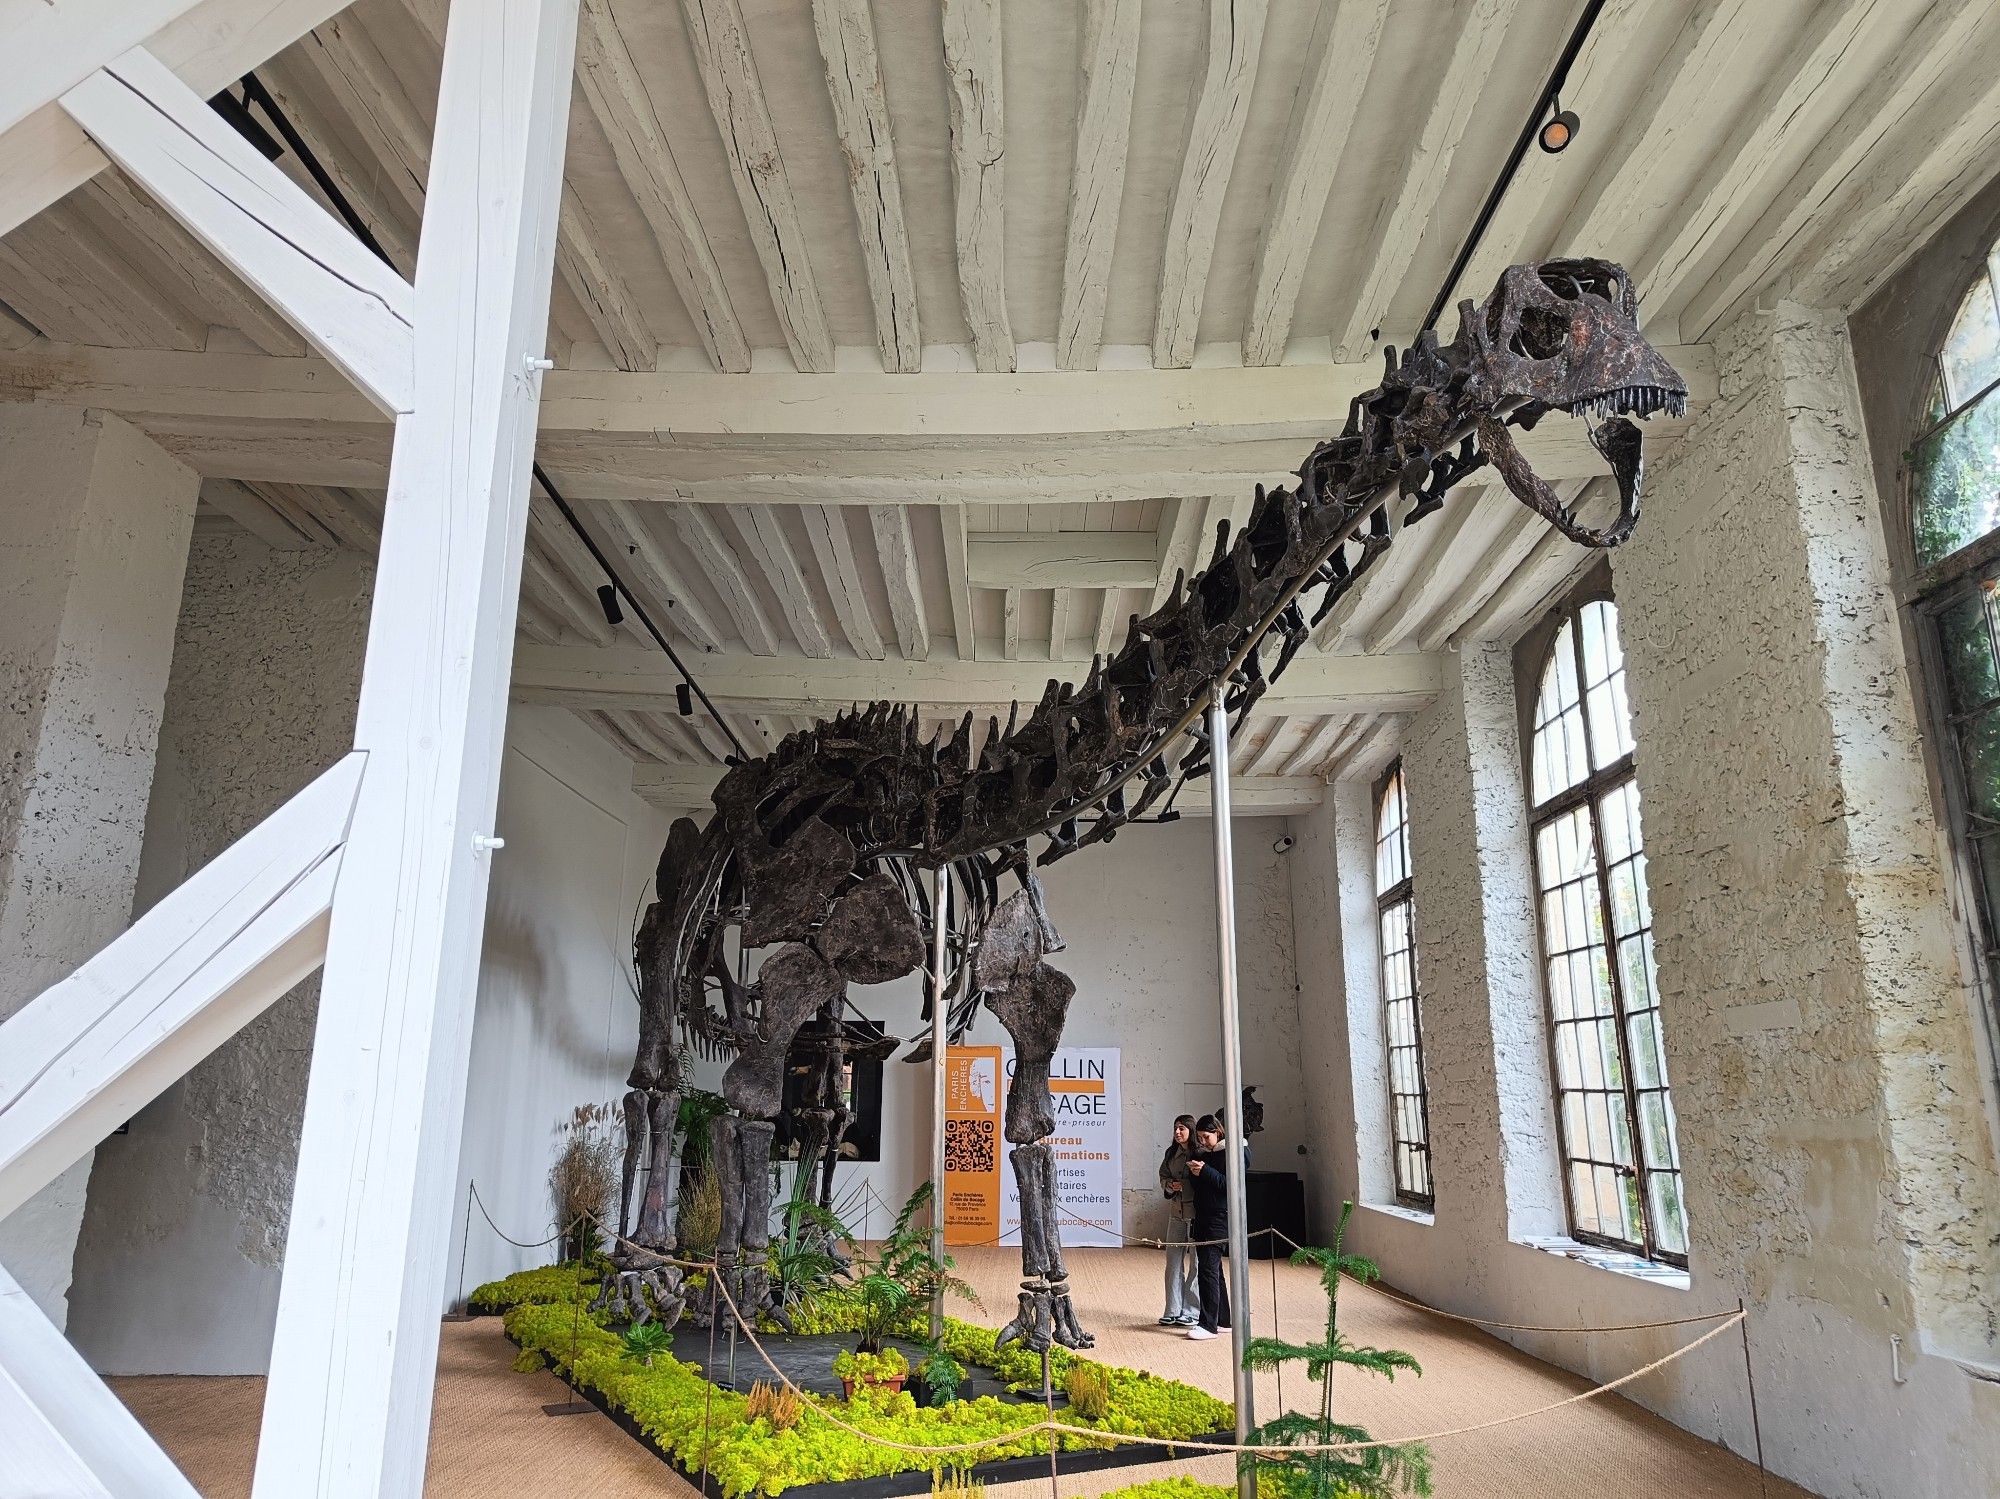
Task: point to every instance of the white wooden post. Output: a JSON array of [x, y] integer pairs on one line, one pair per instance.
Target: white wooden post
[[349, 1401]]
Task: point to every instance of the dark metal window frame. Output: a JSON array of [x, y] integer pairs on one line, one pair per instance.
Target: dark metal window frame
[[1590, 794], [1931, 592], [1402, 895]]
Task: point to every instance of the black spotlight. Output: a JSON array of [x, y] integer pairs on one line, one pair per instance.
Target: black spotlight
[[684, 699], [1559, 131], [607, 599]]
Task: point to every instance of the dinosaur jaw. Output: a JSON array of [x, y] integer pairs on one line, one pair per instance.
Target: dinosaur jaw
[[1641, 401]]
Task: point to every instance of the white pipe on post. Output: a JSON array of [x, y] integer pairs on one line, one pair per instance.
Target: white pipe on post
[[1236, 1143], [940, 934]]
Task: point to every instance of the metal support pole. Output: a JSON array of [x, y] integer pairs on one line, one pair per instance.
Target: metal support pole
[[1237, 1143], [940, 934]]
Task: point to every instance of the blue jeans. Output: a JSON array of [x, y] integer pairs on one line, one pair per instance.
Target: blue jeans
[[1183, 1294]]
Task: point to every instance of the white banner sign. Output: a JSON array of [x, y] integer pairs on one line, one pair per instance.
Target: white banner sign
[[1089, 1202]]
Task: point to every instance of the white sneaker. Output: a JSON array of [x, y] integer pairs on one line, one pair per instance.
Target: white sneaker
[[1198, 1333]]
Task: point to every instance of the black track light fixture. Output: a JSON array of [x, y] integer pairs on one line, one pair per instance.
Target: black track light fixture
[[1558, 130], [684, 699], [607, 600]]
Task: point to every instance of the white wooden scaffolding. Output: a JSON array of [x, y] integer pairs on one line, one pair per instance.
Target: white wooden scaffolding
[[379, 868]]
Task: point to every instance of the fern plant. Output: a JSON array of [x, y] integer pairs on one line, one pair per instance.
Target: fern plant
[[1372, 1472], [902, 1276], [812, 1251]]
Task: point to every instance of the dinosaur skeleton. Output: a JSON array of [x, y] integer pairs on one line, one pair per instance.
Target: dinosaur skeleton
[[815, 847]]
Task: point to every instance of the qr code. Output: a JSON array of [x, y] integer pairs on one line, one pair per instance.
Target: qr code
[[968, 1145]]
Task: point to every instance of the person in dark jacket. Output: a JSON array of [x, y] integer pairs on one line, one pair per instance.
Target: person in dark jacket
[[1175, 1183], [1209, 1224]]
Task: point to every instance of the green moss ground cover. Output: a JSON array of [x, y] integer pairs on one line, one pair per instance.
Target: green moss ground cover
[[674, 1405]]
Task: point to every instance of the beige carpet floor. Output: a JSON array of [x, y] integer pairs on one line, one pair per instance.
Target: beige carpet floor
[[488, 1433]]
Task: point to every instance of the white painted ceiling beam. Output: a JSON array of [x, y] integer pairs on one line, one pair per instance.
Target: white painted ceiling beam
[[749, 140], [1300, 401], [45, 154], [973, 71], [951, 520], [716, 556], [1235, 36], [772, 551], [1061, 559], [615, 90], [1314, 148], [846, 31], [355, 310], [869, 439], [1110, 65], [642, 680], [1676, 110], [833, 547], [66, 277], [897, 550], [1408, 216], [1946, 37], [658, 573], [1943, 155], [1737, 177], [203, 281], [1595, 91]]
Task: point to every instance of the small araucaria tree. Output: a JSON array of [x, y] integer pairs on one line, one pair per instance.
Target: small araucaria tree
[[1363, 1472]]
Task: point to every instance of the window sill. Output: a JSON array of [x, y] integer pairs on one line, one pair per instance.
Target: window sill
[[1397, 1210], [1617, 1261]]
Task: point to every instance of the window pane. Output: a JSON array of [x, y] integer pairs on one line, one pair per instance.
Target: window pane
[[1979, 742], [1970, 358], [1402, 1030], [1604, 685], [1617, 1122], [1392, 836], [1559, 758], [1966, 639], [1955, 481]]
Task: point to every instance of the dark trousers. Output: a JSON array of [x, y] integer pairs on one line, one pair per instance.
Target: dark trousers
[[1214, 1289]]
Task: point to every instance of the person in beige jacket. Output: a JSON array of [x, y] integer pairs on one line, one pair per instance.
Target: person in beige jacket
[[1183, 1298]]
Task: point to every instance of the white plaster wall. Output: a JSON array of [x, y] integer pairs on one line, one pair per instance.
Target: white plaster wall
[[557, 1022], [1838, 1175], [1138, 918], [94, 524]]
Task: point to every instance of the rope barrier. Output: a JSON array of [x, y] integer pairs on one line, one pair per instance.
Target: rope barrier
[[1097, 1434], [718, 1287]]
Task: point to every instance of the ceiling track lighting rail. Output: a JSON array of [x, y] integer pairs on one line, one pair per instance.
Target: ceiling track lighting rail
[[1549, 124], [613, 590]]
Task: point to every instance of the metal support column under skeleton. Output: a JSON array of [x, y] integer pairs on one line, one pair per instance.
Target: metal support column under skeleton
[[1237, 1142]]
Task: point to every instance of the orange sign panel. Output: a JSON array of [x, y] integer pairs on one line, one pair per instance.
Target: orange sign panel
[[973, 1098]]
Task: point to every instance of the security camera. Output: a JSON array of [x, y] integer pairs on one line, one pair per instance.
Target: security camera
[[1284, 844]]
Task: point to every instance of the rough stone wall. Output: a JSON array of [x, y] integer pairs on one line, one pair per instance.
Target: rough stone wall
[[94, 524], [267, 662], [1838, 1166], [1478, 977], [1838, 1171]]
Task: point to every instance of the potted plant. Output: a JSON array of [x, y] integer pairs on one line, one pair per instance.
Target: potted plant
[[883, 1371]]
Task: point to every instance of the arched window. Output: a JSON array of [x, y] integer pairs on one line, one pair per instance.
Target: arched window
[[1953, 470], [1621, 1163], [1402, 1028]]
